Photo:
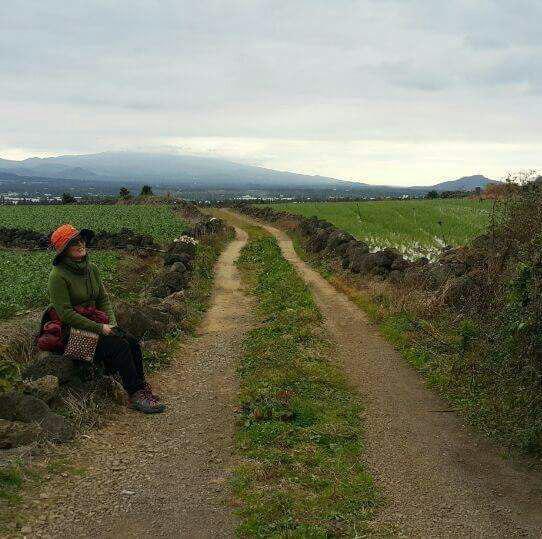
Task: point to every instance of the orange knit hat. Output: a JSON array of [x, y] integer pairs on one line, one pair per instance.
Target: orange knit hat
[[61, 237]]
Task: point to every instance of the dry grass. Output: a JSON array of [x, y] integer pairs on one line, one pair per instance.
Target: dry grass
[[86, 410]]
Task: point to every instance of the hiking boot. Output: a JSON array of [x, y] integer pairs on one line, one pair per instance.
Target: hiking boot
[[143, 402], [147, 389]]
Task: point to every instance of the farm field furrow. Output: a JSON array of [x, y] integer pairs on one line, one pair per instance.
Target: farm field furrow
[[157, 221], [410, 226], [24, 276]]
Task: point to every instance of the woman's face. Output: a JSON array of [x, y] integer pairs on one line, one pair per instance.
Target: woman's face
[[77, 249]]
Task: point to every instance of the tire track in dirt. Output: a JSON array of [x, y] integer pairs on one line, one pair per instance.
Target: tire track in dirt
[[165, 475], [439, 478]]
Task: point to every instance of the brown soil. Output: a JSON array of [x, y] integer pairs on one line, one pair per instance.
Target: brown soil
[[439, 478], [164, 475]]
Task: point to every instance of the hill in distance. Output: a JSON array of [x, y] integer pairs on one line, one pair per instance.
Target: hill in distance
[[171, 169], [195, 172], [467, 183]]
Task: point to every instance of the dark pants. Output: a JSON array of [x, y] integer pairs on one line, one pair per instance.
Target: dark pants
[[122, 355]]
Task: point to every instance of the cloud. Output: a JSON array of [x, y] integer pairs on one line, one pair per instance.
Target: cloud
[[94, 75], [384, 161]]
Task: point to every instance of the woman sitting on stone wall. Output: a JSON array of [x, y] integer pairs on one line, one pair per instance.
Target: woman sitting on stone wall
[[79, 301]]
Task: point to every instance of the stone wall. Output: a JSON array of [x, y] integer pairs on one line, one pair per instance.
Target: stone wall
[[457, 278]]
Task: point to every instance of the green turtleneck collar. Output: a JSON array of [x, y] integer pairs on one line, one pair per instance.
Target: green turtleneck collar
[[79, 267]]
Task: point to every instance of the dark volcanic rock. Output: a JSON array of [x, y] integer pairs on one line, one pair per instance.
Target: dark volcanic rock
[[457, 261], [51, 364], [8, 401], [26, 409], [45, 388], [29, 409], [184, 258], [23, 238], [357, 260], [422, 261], [57, 428], [337, 238], [176, 267], [168, 283], [379, 263], [385, 258], [126, 238], [340, 250], [135, 320], [209, 226], [175, 305], [319, 239], [175, 281], [183, 245], [364, 263], [435, 275], [16, 433], [355, 246], [399, 264]]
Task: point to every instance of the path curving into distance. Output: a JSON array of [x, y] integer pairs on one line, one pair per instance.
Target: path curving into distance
[[165, 475], [439, 479]]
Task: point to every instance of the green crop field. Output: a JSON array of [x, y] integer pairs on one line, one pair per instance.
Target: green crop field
[[158, 221], [24, 276], [411, 226]]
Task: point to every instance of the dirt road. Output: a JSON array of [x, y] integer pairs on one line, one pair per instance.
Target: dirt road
[[439, 479], [164, 476]]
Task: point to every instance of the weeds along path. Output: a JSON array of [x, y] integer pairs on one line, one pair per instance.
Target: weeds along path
[[165, 475], [438, 478]]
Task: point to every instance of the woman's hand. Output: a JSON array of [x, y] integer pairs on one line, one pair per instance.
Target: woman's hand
[[107, 329]]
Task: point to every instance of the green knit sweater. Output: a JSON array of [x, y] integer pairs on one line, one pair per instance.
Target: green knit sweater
[[73, 284]]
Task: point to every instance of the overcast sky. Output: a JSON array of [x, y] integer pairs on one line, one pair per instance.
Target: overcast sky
[[383, 91]]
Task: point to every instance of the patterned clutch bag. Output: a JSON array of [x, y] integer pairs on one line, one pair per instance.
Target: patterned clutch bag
[[81, 344]]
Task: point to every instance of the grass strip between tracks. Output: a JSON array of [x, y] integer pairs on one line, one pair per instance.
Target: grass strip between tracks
[[300, 438]]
